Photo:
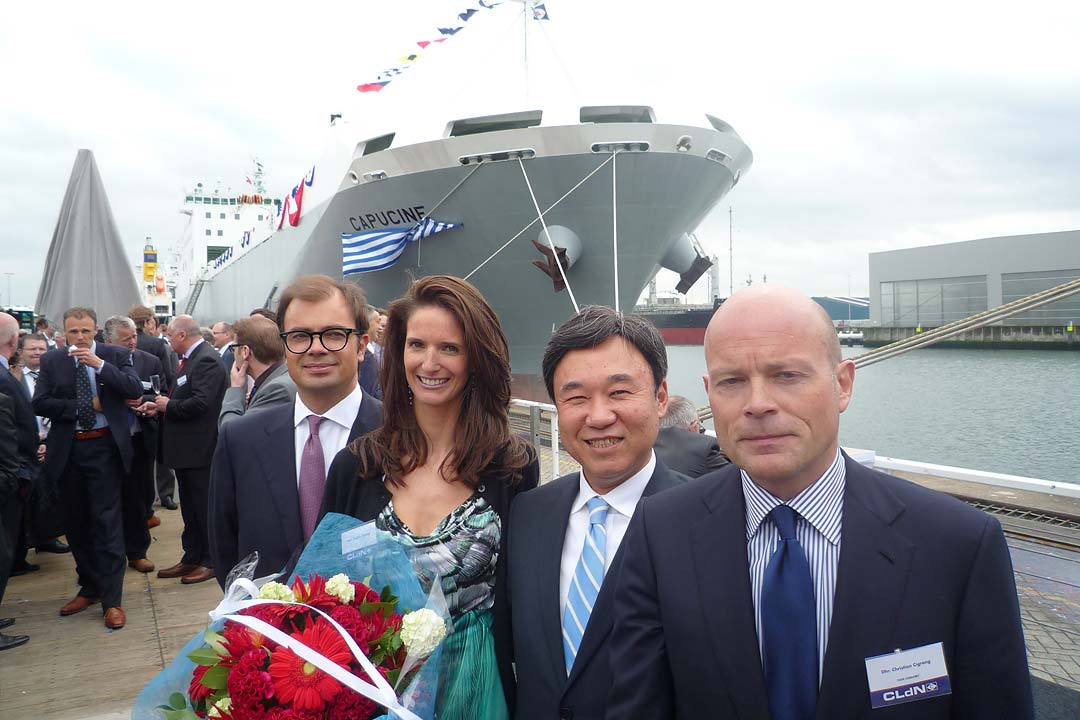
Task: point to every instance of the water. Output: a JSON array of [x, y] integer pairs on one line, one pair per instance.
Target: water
[[1006, 411]]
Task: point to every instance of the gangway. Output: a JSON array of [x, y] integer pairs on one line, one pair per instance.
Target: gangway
[[1002, 312]]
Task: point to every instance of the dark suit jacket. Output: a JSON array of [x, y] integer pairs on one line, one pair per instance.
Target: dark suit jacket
[[538, 525], [368, 375], [689, 453], [916, 567], [54, 398], [365, 497], [254, 503], [146, 365], [10, 465], [190, 423], [159, 349], [26, 429]]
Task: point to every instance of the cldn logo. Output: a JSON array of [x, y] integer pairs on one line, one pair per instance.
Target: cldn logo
[[908, 693]]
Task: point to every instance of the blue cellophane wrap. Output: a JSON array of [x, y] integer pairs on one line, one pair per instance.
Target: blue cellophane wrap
[[340, 544]]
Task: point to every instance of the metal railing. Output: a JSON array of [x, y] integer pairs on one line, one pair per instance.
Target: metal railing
[[536, 424]]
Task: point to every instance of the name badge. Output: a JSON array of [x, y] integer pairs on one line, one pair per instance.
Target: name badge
[[358, 539], [907, 675], [146, 386], [182, 380]]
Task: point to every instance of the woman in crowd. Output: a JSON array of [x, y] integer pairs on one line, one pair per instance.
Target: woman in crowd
[[440, 475]]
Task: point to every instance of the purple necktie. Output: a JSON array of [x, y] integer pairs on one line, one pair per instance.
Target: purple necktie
[[312, 477]]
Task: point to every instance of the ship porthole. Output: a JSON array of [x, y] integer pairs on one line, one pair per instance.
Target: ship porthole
[[354, 177]]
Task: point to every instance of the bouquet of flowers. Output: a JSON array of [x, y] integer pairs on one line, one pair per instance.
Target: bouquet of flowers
[[326, 648]]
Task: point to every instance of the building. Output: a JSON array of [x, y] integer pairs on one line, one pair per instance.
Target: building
[[931, 286]]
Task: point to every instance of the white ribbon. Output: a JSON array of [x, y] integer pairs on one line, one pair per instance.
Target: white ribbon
[[378, 690]]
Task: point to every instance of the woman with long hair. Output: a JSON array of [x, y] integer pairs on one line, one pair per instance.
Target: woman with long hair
[[440, 475]]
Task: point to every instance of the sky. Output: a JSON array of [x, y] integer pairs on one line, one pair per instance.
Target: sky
[[873, 128]]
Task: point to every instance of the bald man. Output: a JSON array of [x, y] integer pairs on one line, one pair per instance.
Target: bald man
[[796, 584], [188, 437]]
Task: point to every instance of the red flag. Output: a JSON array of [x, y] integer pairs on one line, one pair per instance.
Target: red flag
[[371, 87]]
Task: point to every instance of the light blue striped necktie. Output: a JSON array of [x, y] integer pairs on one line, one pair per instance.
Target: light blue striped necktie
[[585, 585]]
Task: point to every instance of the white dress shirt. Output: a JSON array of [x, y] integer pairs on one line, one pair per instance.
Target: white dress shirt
[[821, 513], [622, 501], [334, 430]]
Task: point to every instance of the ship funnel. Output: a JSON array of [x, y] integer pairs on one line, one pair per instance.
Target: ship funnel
[[567, 248], [685, 258]]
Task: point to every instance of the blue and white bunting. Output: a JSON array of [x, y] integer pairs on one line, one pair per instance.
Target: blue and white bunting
[[379, 249]]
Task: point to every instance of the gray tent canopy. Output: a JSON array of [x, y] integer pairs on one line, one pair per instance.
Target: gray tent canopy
[[86, 265]]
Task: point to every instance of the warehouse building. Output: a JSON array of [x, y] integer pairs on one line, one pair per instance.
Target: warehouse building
[[931, 286]]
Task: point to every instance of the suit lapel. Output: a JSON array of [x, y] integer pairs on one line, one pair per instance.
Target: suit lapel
[[278, 462], [719, 555], [549, 543], [369, 417], [872, 573]]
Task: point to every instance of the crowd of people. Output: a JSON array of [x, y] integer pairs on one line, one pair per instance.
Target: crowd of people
[[760, 573]]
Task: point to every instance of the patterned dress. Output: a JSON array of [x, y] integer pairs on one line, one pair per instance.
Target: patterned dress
[[461, 552]]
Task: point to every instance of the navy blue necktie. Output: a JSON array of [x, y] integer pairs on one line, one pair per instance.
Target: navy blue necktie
[[788, 626], [84, 398]]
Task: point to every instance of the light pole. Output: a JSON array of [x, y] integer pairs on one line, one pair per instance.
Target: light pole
[[10, 301]]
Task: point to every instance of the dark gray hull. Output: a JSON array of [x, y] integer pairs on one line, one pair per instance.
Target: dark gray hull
[[660, 196]]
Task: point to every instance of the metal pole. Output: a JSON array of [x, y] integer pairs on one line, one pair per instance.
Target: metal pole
[[731, 255], [9, 299]]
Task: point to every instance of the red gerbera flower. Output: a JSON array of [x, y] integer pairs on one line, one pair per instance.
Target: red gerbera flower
[[299, 683], [196, 690], [313, 593]]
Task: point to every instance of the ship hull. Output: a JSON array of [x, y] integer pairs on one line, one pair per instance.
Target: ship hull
[[659, 196]]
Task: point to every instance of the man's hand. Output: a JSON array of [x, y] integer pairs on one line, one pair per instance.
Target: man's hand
[[133, 403], [147, 409], [161, 402], [84, 356], [41, 453], [238, 374], [97, 404]]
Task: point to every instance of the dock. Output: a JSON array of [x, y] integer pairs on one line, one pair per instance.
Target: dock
[[74, 668]]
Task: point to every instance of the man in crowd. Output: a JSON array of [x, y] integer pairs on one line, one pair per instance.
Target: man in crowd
[[43, 328], [681, 444], [260, 355], [606, 374], [10, 488], [137, 491], [43, 514], [368, 369], [270, 467], [17, 471], [376, 324], [189, 417], [224, 340], [797, 584], [147, 340], [83, 391]]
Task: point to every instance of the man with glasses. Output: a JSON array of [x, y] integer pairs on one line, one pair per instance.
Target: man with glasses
[[269, 469], [188, 438]]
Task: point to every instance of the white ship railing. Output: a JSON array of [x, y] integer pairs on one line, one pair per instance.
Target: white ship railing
[[536, 411], [982, 477]]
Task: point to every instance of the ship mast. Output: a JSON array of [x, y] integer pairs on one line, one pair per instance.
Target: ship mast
[[731, 254]]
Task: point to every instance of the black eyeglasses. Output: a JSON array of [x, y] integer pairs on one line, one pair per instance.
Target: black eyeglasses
[[300, 341]]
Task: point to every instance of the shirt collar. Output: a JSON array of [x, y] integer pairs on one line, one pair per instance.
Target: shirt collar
[[267, 373], [194, 345], [344, 413], [821, 504], [4, 362], [624, 498]]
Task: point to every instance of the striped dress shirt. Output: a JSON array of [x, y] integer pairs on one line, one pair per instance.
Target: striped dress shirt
[[821, 511]]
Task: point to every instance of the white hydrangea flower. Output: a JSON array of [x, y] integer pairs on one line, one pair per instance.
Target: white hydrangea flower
[[422, 631], [340, 587], [276, 591], [221, 706]]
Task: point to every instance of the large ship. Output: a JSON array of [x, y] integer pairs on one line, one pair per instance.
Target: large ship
[[544, 210]]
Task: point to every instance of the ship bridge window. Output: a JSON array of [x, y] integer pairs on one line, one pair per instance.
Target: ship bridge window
[[207, 216], [618, 114], [222, 216], [374, 145], [493, 123], [208, 232]]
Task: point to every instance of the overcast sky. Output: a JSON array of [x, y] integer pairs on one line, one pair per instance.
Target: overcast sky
[[872, 128]]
